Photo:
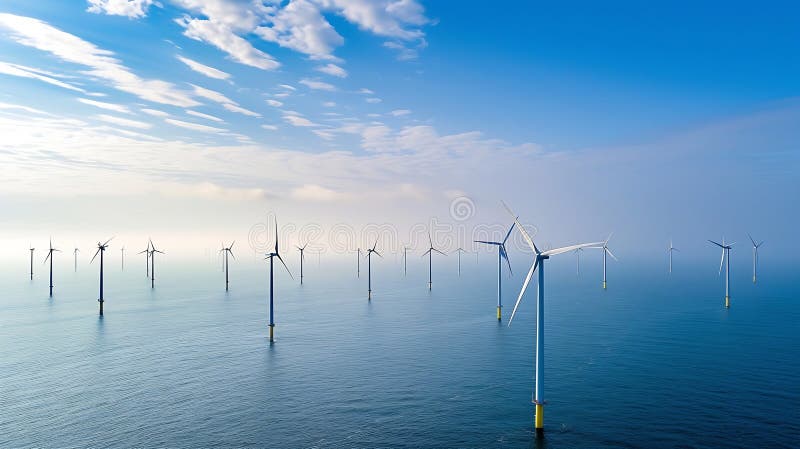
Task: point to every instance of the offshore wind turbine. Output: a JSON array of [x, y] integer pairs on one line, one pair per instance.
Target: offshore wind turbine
[[578, 261], [539, 262], [271, 256], [302, 258], [429, 253], [405, 260], [369, 268], [726, 259], [31, 250], [75, 253], [101, 249], [226, 251], [122, 254], [358, 263], [606, 251], [50, 256], [459, 250], [153, 252], [501, 254], [670, 250], [755, 256]]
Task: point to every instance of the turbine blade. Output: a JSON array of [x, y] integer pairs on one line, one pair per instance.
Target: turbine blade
[[48, 256], [232, 243], [106, 243], [611, 254], [375, 245], [522, 229], [488, 243], [505, 256], [231, 253], [284, 265], [721, 261], [439, 251], [426, 253], [95, 255], [508, 234], [276, 239], [565, 249], [379, 254], [524, 286]]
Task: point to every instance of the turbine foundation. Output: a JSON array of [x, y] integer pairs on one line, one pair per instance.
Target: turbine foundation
[[271, 333], [727, 302], [539, 420], [499, 316]]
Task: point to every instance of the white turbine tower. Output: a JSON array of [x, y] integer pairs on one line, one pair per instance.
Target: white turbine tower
[[541, 257], [501, 254], [670, 251], [755, 256], [726, 260], [606, 251]]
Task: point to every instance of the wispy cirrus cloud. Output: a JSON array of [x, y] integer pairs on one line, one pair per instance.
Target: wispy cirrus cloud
[[222, 36], [123, 121], [332, 69], [133, 9], [104, 105], [203, 69], [317, 85]]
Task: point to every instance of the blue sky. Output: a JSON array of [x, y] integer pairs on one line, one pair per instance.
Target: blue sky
[[620, 117]]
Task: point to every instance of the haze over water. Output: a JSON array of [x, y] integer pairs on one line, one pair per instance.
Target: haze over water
[[654, 361]]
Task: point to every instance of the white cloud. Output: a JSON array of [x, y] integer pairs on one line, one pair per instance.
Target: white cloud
[[373, 100], [70, 48], [103, 105], [365, 91], [314, 192], [210, 72], [133, 9], [270, 127], [19, 107], [154, 112], [400, 112], [274, 103], [329, 104], [298, 120], [240, 110], [205, 116], [287, 87], [317, 85], [301, 27], [222, 37], [390, 18], [123, 121], [332, 69], [29, 72], [194, 126]]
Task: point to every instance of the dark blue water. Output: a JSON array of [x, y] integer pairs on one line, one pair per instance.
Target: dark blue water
[[653, 361]]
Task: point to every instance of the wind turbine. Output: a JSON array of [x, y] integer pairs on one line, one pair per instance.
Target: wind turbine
[[459, 250], [501, 254], [606, 251], [429, 253], [147, 259], [670, 250], [541, 257], [726, 259], [122, 252], [153, 252], [358, 263], [271, 256], [302, 258], [226, 251], [578, 261], [101, 249], [50, 256], [405, 260], [369, 268], [31, 250], [75, 253], [755, 257]]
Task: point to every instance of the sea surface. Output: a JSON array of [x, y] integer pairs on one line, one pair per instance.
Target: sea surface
[[654, 361]]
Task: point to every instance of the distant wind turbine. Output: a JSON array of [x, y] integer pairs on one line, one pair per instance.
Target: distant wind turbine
[[271, 256], [541, 257], [405, 260], [153, 252], [31, 250], [50, 256], [606, 251], [459, 250], [429, 253], [755, 256], [726, 260], [101, 249], [226, 251], [75, 253], [122, 254], [578, 261], [358, 263], [501, 254], [670, 250], [302, 258], [369, 268]]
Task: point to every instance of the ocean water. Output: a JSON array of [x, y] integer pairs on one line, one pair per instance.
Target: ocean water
[[654, 361]]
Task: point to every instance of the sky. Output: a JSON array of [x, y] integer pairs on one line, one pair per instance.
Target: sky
[[195, 121]]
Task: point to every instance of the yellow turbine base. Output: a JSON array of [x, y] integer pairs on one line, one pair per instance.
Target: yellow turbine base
[[499, 317], [539, 418], [727, 301], [369, 295], [604, 285]]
